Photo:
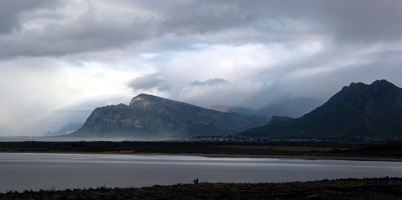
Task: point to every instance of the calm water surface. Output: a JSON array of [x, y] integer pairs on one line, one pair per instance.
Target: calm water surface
[[21, 171]]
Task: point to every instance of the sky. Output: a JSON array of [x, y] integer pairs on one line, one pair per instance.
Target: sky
[[60, 59]]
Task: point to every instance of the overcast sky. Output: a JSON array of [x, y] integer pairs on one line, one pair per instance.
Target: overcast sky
[[61, 59]]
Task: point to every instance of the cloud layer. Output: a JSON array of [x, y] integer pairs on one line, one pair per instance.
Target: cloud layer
[[69, 56]]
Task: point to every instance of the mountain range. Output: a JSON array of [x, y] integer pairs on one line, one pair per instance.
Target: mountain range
[[151, 116], [69, 128], [291, 107], [357, 111]]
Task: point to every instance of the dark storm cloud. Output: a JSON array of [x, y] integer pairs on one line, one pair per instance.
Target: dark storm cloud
[[363, 21], [149, 82], [270, 21], [11, 11], [85, 34], [347, 20], [210, 82]]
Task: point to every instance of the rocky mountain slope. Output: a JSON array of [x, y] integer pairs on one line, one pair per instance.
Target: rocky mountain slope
[[151, 116], [357, 111]]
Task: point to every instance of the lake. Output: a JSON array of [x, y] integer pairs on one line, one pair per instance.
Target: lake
[[24, 171]]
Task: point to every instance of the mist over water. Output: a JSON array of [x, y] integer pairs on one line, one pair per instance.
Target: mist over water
[[23, 171]]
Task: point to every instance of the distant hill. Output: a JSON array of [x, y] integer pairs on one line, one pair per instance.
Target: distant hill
[[234, 109], [291, 107], [357, 111], [278, 119], [151, 116], [69, 128], [295, 107]]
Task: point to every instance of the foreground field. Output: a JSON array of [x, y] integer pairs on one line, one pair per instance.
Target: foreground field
[[384, 188]]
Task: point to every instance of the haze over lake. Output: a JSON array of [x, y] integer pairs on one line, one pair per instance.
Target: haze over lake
[[22, 171]]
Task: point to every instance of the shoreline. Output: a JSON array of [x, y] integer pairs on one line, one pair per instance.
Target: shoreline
[[360, 151], [221, 155]]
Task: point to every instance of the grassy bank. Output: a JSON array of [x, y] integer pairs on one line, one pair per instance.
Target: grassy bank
[[384, 188]]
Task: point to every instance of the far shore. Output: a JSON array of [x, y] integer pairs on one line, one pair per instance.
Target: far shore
[[225, 156], [362, 151]]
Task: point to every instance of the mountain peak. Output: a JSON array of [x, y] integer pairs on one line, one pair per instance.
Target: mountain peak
[[145, 100], [357, 111], [357, 85], [144, 96], [377, 83], [376, 88], [382, 84]]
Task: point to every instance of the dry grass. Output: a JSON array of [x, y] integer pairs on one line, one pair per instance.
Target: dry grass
[[385, 188]]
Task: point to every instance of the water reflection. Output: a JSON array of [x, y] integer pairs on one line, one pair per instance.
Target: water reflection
[[21, 171]]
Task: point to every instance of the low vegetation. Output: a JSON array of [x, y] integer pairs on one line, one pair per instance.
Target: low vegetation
[[384, 188]]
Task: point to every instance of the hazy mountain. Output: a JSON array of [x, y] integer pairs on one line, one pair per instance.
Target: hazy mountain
[[69, 128], [234, 109], [278, 119], [360, 110], [151, 116], [295, 107]]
